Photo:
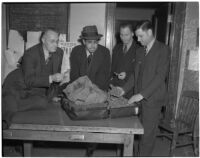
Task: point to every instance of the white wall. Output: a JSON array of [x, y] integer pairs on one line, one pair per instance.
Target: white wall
[[134, 14], [82, 14], [3, 42]]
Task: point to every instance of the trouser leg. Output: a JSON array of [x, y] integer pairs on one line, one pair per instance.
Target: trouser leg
[[150, 119]]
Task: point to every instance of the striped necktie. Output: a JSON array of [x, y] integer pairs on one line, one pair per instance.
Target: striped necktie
[[125, 49], [49, 58], [145, 50], [89, 58]]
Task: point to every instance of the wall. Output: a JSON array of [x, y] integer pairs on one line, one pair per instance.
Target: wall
[[189, 79], [134, 14], [82, 14], [3, 42]]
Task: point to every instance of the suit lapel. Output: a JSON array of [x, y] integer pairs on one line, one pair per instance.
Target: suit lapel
[[139, 61], [153, 48], [41, 53]]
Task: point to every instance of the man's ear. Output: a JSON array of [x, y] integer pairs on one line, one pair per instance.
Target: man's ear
[[42, 39], [150, 32], [83, 41]]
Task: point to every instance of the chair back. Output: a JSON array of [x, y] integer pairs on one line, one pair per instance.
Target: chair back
[[188, 109]]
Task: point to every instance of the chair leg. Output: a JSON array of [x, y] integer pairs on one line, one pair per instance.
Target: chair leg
[[196, 146], [173, 144]]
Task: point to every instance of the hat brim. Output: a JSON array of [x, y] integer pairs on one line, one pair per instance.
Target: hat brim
[[91, 37]]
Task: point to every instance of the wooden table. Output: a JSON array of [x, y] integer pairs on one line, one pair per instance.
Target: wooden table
[[38, 126]]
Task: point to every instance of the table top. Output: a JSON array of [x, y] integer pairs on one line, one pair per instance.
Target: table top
[[55, 119]]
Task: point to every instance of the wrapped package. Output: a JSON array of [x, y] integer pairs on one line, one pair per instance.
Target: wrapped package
[[83, 92], [85, 101]]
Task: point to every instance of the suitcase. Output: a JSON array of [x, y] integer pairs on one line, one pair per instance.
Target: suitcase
[[97, 111], [85, 112]]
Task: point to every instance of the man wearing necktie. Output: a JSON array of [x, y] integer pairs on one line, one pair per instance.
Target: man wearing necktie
[[149, 82], [91, 59], [123, 58], [28, 86]]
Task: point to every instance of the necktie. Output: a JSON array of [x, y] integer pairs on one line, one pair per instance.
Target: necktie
[[125, 49], [49, 58], [89, 58], [145, 49]]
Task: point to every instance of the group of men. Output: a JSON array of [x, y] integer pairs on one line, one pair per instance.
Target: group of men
[[138, 71]]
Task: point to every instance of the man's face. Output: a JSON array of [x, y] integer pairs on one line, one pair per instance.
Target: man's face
[[91, 45], [144, 36], [126, 35], [50, 41]]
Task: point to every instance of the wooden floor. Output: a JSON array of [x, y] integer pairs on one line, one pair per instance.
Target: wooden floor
[[55, 149]]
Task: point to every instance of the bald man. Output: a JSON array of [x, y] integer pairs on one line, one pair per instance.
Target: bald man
[[27, 87]]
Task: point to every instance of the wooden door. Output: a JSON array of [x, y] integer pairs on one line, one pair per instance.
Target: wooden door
[[162, 20]]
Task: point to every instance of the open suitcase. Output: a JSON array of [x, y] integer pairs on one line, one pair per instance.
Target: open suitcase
[[97, 111]]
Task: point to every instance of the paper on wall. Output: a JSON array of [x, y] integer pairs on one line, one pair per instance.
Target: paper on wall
[[193, 63], [33, 38], [67, 48], [12, 58], [16, 42]]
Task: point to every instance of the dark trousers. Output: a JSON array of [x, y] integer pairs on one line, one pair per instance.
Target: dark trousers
[[12, 104], [150, 119]]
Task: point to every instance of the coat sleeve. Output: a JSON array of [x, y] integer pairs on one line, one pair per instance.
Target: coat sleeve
[[61, 54], [29, 69], [74, 65], [129, 84], [161, 73]]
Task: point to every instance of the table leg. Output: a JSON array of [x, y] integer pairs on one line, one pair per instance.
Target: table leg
[[128, 145], [119, 150], [27, 149]]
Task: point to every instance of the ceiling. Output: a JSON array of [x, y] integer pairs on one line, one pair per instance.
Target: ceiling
[[150, 5]]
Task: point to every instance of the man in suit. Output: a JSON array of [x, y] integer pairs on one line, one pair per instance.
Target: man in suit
[[123, 58], [26, 87], [149, 82], [91, 59]]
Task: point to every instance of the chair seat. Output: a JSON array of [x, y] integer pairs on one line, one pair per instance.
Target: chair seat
[[170, 126]]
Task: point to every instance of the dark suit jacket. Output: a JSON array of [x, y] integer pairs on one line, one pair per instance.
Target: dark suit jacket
[[153, 81], [122, 63], [99, 69], [30, 77]]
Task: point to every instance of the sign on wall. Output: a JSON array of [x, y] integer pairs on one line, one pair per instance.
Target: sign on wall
[[67, 48]]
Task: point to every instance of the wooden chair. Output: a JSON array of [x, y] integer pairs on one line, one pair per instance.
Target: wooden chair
[[181, 121], [196, 136]]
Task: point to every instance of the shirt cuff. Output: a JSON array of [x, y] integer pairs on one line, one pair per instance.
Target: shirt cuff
[[50, 79]]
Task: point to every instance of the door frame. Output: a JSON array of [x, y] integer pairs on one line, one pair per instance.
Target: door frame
[[175, 44]]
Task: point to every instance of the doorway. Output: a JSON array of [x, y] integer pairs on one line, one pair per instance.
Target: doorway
[[133, 12]]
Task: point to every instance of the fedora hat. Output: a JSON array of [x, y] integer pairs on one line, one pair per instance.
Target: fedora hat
[[90, 33]]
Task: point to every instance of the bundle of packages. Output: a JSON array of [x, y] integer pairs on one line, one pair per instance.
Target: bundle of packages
[[83, 92], [119, 106], [84, 100]]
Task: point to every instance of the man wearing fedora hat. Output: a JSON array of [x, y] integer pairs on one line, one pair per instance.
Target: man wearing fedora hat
[[91, 59]]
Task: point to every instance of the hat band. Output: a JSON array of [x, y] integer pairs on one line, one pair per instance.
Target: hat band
[[90, 34]]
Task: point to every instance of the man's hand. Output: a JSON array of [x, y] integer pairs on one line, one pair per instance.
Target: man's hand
[[66, 78], [135, 98], [122, 75], [58, 77]]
